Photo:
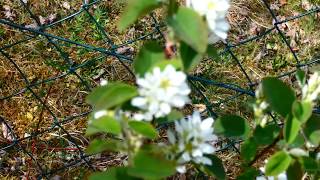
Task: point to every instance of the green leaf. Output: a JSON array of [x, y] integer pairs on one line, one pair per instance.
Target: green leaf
[[171, 117], [309, 164], [216, 169], [249, 149], [301, 77], [294, 171], [114, 173], [191, 28], [302, 111], [249, 173], [150, 54], [136, 9], [99, 145], [298, 142], [114, 94], [151, 166], [174, 62], [190, 57], [175, 115], [173, 7], [106, 124], [231, 126], [212, 52], [144, 128], [92, 131], [312, 130], [278, 95], [291, 129], [266, 135], [278, 163]]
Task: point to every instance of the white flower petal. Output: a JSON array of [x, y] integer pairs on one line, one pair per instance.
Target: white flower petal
[[103, 82], [207, 123], [298, 152], [282, 176], [186, 157], [171, 137], [100, 114], [165, 108], [181, 169], [139, 101], [203, 160], [207, 148], [138, 117], [197, 152], [215, 12], [261, 178]]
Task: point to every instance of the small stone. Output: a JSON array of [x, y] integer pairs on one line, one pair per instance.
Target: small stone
[[66, 5], [29, 116]]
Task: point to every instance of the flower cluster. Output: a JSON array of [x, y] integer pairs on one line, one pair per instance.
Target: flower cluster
[[159, 91], [193, 137], [260, 108], [311, 90], [215, 12]]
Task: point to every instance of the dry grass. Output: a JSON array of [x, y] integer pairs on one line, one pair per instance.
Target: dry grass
[[66, 96]]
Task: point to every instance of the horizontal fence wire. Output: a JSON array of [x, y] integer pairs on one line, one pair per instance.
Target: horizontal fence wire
[[42, 33]]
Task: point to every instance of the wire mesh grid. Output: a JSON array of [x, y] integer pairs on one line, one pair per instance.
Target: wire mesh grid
[[108, 48]]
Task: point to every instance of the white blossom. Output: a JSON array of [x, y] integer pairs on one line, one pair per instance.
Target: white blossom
[[281, 176], [160, 91], [309, 145], [215, 12], [103, 82], [181, 169], [298, 152], [260, 107], [193, 137], [311, 90], [100, 114]]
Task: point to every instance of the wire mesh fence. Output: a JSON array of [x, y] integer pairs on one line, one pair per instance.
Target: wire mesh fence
[[72, 58]]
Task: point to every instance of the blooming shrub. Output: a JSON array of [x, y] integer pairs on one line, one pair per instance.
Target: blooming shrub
[[130, 114]]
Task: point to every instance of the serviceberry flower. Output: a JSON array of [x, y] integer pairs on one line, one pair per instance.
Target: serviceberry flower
[[103, 82], [117, 114], [281, 176], [298, 152], [159, 92], [260, 107], [193, 138], [311, 90], [215, 12], [100, 114]]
